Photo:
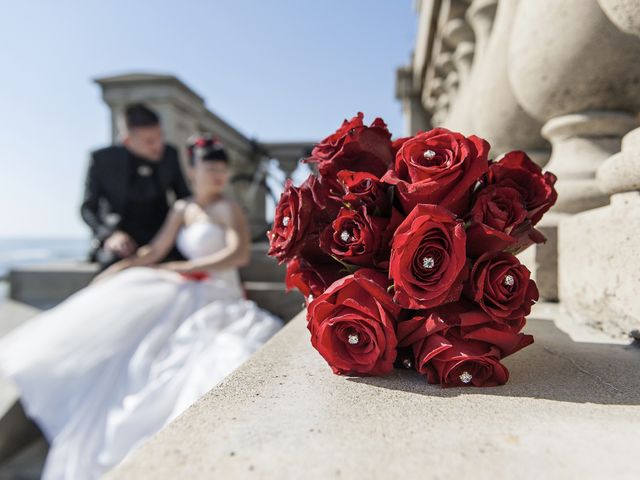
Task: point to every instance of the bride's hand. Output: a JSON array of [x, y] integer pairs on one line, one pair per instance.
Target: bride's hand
[[112, 270], [178, 267]]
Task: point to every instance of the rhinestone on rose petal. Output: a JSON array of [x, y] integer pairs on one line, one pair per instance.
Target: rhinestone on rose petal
[[428, 154], [428, 262], [466, 377], [509, 280], [407, 363], [353, 339], [285, 221], [344, 236]]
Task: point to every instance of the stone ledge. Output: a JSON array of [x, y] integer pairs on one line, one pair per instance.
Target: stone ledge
[[570, 410]]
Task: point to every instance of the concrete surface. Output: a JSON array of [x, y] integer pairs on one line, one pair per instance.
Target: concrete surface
[[571, 410]]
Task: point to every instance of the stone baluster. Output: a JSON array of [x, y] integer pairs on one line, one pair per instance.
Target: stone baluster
[[478, 21], [458, 36], [497, 115], [599, 250], [582, 89]]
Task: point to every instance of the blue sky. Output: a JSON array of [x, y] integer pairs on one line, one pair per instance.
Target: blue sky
[[276, 69]]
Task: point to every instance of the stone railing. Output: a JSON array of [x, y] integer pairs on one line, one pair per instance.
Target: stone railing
[[560, 80]]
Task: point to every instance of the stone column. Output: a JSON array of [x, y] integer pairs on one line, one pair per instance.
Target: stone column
[[599, 250], [582, 88], [416, 117], [498, 117], [458, 36]]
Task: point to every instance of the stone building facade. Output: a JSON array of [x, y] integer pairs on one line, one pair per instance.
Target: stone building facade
[[560, 80]]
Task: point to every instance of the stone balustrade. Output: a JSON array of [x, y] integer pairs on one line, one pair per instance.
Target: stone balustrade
[[560, 80]]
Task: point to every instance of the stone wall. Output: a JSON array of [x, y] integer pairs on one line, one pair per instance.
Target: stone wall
[[560, 80]]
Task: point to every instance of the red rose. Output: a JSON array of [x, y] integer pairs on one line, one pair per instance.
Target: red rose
[[311, 278], [363, 188], [455, 363], [292, 218], [397, 144], [518, 171], [327, 192], [438, 167], [457, 345], [499, 221], [355, 237], [502, 287], [466, 321], [428, 258], [352, 324], [354, 146]]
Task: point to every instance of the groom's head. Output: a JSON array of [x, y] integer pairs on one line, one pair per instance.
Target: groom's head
[[143, 134]]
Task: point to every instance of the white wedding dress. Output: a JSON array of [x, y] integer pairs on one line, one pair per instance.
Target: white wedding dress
[[117, 361]]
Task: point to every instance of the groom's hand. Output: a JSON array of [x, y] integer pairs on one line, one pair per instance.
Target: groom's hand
[[121, 244]]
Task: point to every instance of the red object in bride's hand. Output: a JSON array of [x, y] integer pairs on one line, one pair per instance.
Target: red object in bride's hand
[[196, 276]]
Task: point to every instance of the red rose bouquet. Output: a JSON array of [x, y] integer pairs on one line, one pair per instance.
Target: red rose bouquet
[[405, 252]]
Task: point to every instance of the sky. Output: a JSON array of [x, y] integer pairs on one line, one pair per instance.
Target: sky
[[274, 69]]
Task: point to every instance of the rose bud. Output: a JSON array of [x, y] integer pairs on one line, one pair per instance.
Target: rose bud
[[499, 221], [355, 237], [502, 287], [517, 170], [311, 278], [363, 188], [428, 258], [356, 147], [438, 167], [352, 324]]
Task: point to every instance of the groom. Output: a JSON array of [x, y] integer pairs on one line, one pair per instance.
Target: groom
[[127, 188]]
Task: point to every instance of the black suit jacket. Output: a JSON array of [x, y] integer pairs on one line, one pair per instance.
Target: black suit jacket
[[106, 184]]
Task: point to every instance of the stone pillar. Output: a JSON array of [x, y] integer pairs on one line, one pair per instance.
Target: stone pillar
[[416, 117], [582, 89], [498, 117], [458, 36], [599, 250]]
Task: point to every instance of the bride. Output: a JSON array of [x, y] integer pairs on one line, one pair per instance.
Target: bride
[[114, 363]]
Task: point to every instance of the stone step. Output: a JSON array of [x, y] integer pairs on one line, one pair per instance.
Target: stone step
[[27, 464], [262, 267], [43, 286], [272, 297], [570, 410], [46, 285]]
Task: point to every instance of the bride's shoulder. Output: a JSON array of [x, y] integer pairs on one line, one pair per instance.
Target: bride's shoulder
[[180, 206]]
